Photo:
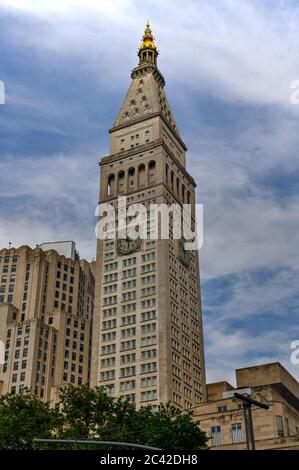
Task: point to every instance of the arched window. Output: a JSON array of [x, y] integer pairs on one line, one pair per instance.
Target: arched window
[[141, 175], [188, 197], [172, 180], [183, 193], [131, 178], [121, 182], [111, 185], [167, 173], [152, 171], [178, 187]]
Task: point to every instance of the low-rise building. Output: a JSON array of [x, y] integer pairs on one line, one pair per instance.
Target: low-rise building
[[221, 417]]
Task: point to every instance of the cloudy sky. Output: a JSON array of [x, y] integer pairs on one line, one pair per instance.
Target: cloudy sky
[[228, 65]]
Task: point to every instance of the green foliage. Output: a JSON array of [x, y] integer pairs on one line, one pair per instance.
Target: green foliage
[[91, 413], [24, 417], [87, 413]]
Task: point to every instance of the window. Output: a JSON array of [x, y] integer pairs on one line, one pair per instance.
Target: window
[[148, 382], [128, 385], [131, 397], [216, 436], [149, 354], [150, 367], [222, 409], [287, 426], [148, 341], [126, 345], [108, 375], [279, 426], [237, 434], [128, 371], [149, 395]]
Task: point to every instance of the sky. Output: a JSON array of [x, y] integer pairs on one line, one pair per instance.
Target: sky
[[229, 65]]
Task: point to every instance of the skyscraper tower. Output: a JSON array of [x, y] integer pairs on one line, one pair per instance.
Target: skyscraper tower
[[147, 327], [46, 308]]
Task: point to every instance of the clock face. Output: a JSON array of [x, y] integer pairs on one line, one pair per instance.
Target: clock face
[[184, 254], [127, 245]]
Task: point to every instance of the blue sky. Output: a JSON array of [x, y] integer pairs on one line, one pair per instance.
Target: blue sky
[[228, 67]]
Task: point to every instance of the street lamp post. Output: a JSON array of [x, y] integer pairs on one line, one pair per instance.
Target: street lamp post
[[247, 403]]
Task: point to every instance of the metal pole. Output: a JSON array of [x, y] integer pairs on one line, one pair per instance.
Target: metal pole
[[247, 403], [248, 426]]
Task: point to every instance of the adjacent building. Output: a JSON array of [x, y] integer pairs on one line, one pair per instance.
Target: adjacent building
[[277, 428], [147, 329], [46, 309]]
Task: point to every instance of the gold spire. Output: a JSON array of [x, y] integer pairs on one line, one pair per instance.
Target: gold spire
[[148, 40]]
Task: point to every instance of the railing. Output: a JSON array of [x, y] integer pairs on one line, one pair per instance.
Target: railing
[[96, 443]]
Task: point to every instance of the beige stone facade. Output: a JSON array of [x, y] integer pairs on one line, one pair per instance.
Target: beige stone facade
[[147, 331], [277, 428], [46, 308]]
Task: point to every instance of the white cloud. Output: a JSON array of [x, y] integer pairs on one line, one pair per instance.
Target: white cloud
[[236, 50], [48, 199], [229, 350]]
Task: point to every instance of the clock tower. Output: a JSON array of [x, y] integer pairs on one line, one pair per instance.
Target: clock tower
[[147, 329]]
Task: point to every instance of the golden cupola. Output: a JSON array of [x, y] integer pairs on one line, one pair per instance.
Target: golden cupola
[[148, 50]]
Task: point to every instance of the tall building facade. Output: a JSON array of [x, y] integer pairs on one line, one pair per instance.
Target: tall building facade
[[147, 327], [46, 308]]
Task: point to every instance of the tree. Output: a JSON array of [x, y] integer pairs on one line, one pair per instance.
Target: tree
[[171, 428], [85, 411], [23, 418], [91, 413]]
